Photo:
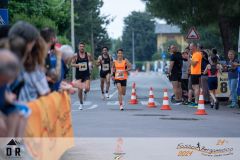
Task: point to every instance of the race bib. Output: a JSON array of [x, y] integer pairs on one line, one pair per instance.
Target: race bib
[[82, 66], [120, 74], [105, 67]]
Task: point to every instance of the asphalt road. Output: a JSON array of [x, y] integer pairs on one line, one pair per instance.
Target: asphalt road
[[102, 132], [103, 119]]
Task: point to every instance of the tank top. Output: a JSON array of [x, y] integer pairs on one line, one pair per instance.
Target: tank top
[[213, 71], [121, 73], [83, 70], [105, 67]]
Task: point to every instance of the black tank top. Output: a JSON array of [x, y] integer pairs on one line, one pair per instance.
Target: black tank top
[[213, 71], [105, 67], [83, 70]]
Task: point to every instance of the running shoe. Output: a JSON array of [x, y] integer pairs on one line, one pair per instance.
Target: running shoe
[[176, 102], [107, 95], [193, 105], [121, 108], [216, 105], [212, 105], [80, 107]]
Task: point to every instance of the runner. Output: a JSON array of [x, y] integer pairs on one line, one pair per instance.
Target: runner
[[121, 66], [105, 61], [212, 71], [81, 61]]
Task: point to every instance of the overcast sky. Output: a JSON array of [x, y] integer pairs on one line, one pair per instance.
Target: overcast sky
[[120, 9]]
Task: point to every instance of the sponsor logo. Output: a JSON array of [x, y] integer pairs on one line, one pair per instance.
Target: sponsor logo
[[218, 150]]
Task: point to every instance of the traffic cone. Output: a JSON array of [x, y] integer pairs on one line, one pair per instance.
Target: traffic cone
[[133, 96], [151, 103], [201, 107], [165, 105]]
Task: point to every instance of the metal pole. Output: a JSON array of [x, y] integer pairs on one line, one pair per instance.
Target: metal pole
[[92, 37], [72, 34], [133, 51], [239, 41]]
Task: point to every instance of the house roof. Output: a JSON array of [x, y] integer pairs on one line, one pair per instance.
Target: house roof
[[166, 29]]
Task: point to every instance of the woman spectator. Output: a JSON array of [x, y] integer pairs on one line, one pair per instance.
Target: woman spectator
[[32, 54]]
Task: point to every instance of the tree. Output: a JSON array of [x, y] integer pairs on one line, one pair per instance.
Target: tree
[[186, 13], [116, 44], [44, 13], [210, 37], [89, 23], [142, 24]]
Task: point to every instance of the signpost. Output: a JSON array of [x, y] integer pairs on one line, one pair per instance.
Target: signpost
[[4, 17], [192, 34]]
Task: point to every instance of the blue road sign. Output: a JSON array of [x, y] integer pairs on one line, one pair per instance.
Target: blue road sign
[[3, 16]]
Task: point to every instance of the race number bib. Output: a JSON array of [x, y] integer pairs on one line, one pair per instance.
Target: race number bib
[[105, 67], [120, 74], [82, 66], [223, 89]]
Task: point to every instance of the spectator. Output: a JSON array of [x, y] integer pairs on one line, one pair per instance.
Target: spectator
[[204, 77], [13, 116], [175, 73], [232, 77], [53, 62], [184, 81], [196, 63], [212, 71], [67, 56], [32, 53], [214, 53]]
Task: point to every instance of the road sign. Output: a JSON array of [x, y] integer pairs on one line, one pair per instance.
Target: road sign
[[163, 55], [193, 34], [3, 16]]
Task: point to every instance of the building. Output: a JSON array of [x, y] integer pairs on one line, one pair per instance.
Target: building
[[166, 33]]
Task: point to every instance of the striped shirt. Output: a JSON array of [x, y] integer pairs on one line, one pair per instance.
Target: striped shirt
[[35, 85]]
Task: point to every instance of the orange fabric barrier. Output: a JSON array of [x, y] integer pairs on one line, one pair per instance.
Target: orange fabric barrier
[[49, 130]]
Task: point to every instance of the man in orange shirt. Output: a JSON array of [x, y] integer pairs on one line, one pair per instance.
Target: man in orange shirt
[[196, 62]]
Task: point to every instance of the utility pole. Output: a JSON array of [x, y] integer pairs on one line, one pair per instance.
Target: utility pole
[[133, 51], [239, 44], [72, 34], [92, 38]]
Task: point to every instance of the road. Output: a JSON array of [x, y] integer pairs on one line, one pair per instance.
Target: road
[[103, 118], [101, 129]]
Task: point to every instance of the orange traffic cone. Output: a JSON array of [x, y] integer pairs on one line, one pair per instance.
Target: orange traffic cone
[[133, 96], [151, 103], [165, 105], [201, 107]]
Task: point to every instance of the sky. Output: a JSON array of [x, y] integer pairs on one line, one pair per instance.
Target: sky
[[118, 9]]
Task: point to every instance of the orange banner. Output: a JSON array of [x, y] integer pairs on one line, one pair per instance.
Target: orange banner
[[49, 129]]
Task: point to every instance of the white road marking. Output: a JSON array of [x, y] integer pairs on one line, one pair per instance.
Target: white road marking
[[112, 103], [111, 95], [92, 107], [86, 103]]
